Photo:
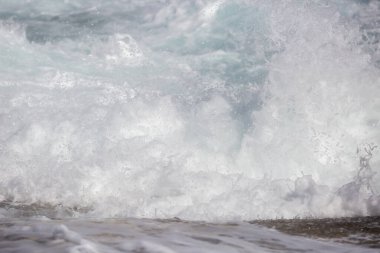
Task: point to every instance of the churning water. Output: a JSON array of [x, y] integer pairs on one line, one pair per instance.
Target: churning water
[[201, 110]]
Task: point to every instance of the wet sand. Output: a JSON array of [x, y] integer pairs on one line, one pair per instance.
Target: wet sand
[[364, 231]]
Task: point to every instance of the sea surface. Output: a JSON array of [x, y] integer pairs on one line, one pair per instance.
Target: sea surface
[[174, 235], [189, 125]]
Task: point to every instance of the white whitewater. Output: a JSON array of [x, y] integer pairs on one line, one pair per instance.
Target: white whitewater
[[215, 111], [202, 110]]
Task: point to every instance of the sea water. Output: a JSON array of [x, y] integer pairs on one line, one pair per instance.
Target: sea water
[[201, 110]]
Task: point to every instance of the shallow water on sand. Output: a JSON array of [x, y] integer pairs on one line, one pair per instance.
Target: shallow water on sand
[[159, 236]]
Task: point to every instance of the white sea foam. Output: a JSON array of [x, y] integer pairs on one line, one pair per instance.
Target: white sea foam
[[193, 109]]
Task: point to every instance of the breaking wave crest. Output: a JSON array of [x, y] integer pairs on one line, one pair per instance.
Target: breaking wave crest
[[202, 110]]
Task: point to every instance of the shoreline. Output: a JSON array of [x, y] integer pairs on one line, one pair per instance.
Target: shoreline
[[363, 231]]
